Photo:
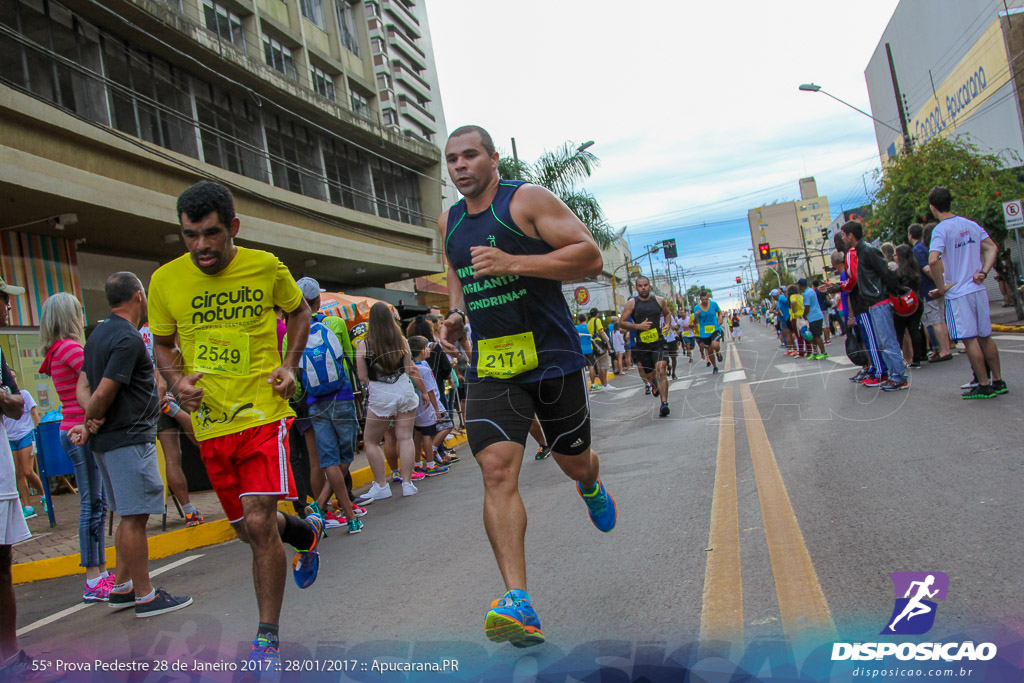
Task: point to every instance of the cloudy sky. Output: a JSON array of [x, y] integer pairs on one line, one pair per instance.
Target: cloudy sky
[[693, 106]]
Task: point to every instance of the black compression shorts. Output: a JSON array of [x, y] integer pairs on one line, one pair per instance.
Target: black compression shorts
[[503, 411], [647, 356], [716, 336]]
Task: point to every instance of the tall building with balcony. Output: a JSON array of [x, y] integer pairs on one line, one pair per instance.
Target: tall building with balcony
[[406, 76], [796, 232], [108, 110]]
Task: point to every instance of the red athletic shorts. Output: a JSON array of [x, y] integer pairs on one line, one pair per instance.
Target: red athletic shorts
[[253, 462]]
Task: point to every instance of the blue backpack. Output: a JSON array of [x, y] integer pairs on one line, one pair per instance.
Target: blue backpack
[[322, 372]]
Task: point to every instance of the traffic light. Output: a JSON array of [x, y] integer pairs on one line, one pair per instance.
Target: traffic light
[[670, 249], [737, 279], [765, 251]]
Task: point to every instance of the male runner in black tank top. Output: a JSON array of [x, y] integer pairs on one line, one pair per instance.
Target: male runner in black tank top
[[508, 245], [646, 312]]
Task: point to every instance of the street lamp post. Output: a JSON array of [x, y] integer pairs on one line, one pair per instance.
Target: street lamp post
[[811, 87]]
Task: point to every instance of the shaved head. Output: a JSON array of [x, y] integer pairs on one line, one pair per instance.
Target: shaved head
[[485, 137]]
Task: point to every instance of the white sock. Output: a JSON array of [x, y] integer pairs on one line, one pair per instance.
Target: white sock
[[92, 583], [146, 598], [123, 587], [105, 574]]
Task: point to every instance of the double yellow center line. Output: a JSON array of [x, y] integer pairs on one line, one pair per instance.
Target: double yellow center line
[[803, 610]]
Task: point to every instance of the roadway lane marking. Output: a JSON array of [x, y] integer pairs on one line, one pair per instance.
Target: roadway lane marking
[[737, 363], [78, 608], [788, 368], [840, 360], [735, 375], [681, 384], [806, 374], [802, 604], [1002, 350], [721, 616]]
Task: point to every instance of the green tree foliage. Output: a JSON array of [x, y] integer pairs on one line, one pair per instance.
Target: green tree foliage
[[769, 281], [979, 183], [561, 171], [692, 295]]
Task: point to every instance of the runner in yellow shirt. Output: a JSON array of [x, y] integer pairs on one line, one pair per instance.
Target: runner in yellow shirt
[[219, 299]]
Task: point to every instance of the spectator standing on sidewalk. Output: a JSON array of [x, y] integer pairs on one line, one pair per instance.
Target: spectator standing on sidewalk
[[21, 436], [875, 284], [332, 410], [61, 334], [168, 433], [119, 390], [909, 274], [15, 664], [961, 256], [934, 315], [385, 368]]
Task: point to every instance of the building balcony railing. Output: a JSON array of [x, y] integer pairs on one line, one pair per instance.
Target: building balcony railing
[[404, 16], [410, 80], [406, 46]]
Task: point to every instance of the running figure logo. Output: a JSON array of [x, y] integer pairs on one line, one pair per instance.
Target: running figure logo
[[914, 612], [491, 239]]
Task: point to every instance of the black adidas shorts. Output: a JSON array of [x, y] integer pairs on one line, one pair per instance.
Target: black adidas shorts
[[503, 411], [647, 356]]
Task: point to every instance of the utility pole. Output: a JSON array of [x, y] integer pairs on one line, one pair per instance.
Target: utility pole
[[907, 146], [515, 154]]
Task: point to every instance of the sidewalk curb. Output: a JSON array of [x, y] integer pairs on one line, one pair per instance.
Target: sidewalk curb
[[167, 543], [1008, 328]]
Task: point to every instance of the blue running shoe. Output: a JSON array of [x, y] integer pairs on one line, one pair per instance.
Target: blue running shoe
[[264, 662], [512, 619], [306, 563], [601, 505]]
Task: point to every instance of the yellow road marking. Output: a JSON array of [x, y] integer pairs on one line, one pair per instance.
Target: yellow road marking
[[802, 604], [721, 617]]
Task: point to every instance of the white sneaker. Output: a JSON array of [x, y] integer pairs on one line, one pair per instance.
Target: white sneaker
[[378, 492], [409, 489], [969, 385]]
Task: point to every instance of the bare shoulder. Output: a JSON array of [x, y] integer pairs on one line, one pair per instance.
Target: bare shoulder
[[442, 221]]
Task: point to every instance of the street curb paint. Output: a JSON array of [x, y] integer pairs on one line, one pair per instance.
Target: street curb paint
[[167, 543], [1008, 328]]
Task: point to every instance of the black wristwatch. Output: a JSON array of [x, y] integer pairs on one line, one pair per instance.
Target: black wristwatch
[[460, 312]]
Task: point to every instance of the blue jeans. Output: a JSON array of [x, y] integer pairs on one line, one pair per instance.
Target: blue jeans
[[336, 430], [888, 345], [93, 503]]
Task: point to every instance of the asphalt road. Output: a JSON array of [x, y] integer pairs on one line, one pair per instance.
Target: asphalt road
[[756, 537]]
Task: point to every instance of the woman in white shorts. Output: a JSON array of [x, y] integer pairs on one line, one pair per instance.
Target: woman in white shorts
[[386, 369], [618, 347]]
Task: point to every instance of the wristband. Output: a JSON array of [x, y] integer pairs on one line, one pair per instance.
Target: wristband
[[460, 312]]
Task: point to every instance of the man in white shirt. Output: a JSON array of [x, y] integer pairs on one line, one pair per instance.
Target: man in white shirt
[[960, 258]]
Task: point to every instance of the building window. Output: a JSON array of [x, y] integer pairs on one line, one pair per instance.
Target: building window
[[323, 83], [372, 10], [384, 82], [279, 57], [360, 105], [390, 117], [347, 24], [224, 23], [295, 161], [314, 11], [378, 44]]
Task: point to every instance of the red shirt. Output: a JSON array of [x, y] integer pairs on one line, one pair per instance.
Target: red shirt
[[63, 363], [851, 272]]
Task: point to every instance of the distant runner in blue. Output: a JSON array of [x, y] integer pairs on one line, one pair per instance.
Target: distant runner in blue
[[509, 244], [709, 328]]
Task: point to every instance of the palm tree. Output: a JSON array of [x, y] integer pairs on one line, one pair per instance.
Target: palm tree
[[560, 171]]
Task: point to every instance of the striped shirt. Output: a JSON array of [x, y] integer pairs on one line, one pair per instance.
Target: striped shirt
[[63, 364]]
